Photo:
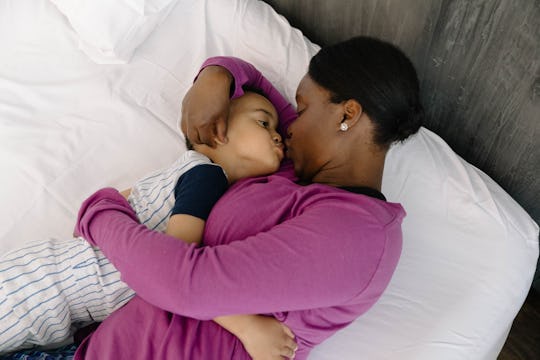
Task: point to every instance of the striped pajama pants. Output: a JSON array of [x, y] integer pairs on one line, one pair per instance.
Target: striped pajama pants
[[49, 288]]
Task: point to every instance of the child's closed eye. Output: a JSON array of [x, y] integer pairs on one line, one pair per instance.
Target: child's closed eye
[[265, 124]]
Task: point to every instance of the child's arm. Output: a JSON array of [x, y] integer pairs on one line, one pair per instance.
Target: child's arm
[[187, 228], [184, 227]]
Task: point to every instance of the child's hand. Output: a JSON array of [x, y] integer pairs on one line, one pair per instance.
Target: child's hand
[[126, 193], [268, 339]]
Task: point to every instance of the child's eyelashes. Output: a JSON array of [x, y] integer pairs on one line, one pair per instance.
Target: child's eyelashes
[[265, 124]]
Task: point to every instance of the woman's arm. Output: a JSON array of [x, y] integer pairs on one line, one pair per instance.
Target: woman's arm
[[291, 267], [205, 106]]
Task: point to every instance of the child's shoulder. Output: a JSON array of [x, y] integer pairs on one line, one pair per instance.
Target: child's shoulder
[[192, 155]]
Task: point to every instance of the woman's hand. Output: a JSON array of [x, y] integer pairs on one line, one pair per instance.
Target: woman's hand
[[205, 107], [266, 338]]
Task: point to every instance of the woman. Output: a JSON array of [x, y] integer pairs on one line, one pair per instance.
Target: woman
[[314, 251]]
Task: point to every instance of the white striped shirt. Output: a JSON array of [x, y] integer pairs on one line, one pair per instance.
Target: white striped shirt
[[48, 285], [152, 197]]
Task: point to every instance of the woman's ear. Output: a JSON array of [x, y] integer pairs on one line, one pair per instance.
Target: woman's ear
[[352, 112]]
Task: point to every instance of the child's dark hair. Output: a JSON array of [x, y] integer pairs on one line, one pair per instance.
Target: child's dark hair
[[254, 90], [380, 77], [189, 145]]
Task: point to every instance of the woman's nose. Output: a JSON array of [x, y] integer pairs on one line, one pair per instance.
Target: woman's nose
[[288, 132]]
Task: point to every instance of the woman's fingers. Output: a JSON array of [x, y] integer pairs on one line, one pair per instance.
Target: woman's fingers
[[289, 352], [205, 134], [205, 129], [287, 330], [221, 129], [290, 347]]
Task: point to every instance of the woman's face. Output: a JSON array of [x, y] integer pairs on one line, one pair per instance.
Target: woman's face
[[311, 137]]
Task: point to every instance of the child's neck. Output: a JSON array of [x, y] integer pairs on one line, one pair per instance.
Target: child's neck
[[220, 158]]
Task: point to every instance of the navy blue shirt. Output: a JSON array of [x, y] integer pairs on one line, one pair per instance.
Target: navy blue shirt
[[198, 189]]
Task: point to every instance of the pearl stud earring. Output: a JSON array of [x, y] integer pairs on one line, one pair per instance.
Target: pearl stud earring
[[343, 127]]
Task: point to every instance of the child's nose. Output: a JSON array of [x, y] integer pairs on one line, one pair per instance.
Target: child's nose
[[277, 138]]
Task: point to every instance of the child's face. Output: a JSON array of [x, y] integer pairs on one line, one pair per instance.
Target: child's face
[[254, 143]]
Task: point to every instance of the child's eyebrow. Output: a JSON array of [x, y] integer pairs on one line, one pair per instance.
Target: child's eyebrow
[[264, 111]]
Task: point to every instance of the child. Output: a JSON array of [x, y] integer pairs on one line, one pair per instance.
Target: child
[[44, 286]]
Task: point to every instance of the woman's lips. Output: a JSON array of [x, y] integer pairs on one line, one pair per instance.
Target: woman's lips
[[287, 148]]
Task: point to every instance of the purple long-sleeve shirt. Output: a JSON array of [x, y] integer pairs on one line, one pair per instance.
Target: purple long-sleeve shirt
[[315, 257]]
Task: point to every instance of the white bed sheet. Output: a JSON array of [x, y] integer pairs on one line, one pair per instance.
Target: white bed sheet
[[69, 126]]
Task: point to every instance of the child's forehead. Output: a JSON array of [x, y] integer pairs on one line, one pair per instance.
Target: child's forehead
[[250, 96], [252, 102]]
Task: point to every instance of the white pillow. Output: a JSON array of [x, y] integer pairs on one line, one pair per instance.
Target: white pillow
[[109, 31], [164, 66], [468, 258]]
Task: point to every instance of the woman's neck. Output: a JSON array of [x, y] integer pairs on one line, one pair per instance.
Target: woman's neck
[[359, 168]]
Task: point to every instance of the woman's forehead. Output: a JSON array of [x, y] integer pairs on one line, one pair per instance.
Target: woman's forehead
[[301, 89], [308, 88]]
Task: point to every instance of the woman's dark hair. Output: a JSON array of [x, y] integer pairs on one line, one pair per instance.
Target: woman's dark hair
[[380, 77]]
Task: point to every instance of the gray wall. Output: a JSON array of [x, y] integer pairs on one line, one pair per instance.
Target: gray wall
[[479, 67]]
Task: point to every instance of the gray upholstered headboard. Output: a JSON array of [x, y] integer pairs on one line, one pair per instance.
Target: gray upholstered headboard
[[479, 67]]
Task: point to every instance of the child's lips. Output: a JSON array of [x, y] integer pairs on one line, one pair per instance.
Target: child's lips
[[280, 152]]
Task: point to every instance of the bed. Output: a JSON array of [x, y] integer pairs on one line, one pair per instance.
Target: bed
[[91, 96]]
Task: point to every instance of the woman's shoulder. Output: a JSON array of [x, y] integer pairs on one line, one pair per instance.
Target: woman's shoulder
[[365, 206]]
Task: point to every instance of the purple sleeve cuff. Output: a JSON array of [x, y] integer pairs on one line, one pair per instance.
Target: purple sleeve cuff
[[104, 199], [245, 74]]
